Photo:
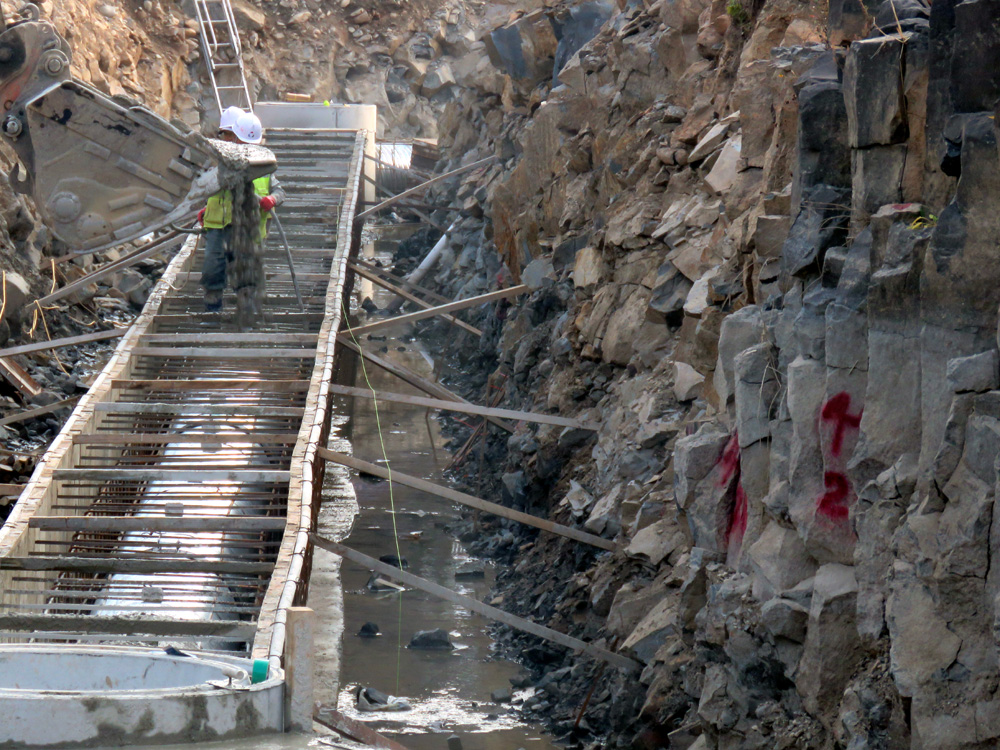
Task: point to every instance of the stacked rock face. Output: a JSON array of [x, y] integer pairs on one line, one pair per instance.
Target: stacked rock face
[[768, 265]]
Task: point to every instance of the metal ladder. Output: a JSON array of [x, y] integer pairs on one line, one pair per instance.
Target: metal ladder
[[220, 45]]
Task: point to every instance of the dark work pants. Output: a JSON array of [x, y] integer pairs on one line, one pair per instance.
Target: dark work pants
[[213, 270]]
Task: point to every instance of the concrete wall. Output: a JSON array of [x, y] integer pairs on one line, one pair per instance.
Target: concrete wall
[[114, 696]]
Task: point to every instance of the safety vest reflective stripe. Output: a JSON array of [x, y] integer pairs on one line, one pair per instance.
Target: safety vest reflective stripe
[[219, 208]]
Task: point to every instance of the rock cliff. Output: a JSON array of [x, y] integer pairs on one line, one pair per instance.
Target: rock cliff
[[761, 239]]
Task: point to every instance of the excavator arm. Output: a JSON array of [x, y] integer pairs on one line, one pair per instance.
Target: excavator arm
[[102, 171]]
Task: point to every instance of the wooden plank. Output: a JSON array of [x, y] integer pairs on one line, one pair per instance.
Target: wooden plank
[[400, 280], [474, 605], [209, 352], [354, 729], [470, 500], [229, 338], [149, 249], [10, 490], [244, 384], [420, 188], [434, 403], [85, 564], [374, 278], [450, 307], [133, 439], [184, 524], [413, 379], [38, 412], [191, 474], [125, 625], [17, 376], [41, 346], [204, 410]]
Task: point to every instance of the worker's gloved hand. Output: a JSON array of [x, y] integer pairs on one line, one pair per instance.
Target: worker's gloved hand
[[201, 217], [267, 203]]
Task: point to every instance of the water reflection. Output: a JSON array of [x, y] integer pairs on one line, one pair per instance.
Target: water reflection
[[449, 691]]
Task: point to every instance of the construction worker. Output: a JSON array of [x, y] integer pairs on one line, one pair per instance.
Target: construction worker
[[217, 216]]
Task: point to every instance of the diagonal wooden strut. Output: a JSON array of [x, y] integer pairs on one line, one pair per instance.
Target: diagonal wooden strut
[[464, 408], [470, 500], [376, 279], [413, 379], [440, 309], [473, 605]]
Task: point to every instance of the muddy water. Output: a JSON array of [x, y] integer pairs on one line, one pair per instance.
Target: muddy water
[[449, 691]]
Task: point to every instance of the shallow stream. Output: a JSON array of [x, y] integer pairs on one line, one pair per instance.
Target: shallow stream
[[449, 690]]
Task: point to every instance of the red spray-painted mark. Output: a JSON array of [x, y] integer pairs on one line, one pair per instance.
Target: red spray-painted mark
[[837, 410], [833, 504], [730, 461], [731, 470]]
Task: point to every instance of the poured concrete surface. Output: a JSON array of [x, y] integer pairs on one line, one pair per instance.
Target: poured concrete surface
[[94, 696]]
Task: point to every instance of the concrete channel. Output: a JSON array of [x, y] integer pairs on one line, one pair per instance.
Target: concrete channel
[[165, 531]]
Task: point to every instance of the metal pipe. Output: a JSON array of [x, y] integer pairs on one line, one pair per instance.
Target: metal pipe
[[288, 254]]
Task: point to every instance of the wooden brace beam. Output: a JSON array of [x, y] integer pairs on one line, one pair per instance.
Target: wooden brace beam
[[469, 500], [474, 605]]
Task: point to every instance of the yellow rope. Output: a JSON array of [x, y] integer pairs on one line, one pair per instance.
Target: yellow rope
[[3, 303], [392, 499], [49, 337]]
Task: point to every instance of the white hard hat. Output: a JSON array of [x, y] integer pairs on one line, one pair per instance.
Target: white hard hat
[[229, 117], [248, 128]]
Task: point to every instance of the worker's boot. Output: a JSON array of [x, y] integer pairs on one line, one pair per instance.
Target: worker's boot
[[213, 300]]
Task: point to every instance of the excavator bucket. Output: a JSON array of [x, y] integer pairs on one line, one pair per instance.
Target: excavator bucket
[[103, 172]]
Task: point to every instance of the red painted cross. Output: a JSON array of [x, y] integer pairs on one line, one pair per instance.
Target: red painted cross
[[837, 410]]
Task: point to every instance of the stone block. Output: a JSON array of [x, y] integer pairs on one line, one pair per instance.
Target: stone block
[[726, 169], [977, 373], [831, 646], [849, 20], [688, 382], [846, 340], [921, 642], [694, 458], [975, 61], [524, 49], [740, 331], [589, 268], [824, 154], [822, 223], [16, 294], [783, 618], [779, 560], [873, 92], [632, 602], [877, 178], [755, 392], [670, 290], [248, 17], [651, 632], [769, 235], [709, 142], [605, 518], [657, 542]]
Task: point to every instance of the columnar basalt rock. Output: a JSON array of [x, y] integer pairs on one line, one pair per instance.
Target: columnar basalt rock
[[770, 272]]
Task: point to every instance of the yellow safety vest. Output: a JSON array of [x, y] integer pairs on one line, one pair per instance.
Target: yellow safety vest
[[219, 209]]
